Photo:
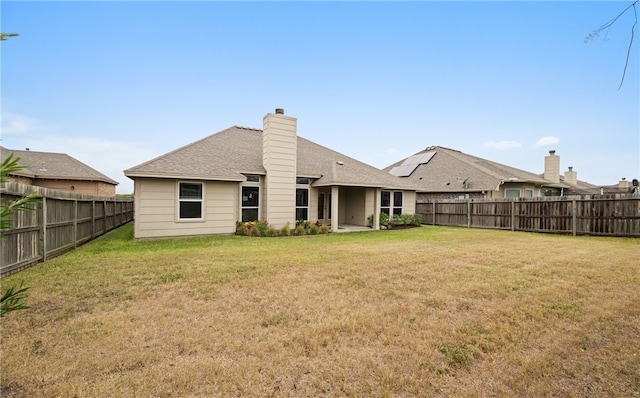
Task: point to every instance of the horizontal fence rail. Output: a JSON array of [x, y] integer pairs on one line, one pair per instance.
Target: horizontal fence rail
[[61, 222], [611, 215]]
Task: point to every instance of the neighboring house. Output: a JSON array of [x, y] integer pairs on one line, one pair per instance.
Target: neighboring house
[[59, 171], [245, 174], [622, 187], [443, 173]]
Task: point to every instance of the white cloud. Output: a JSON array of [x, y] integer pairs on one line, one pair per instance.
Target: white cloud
[[546, 141], [17, 124], [391, 151], [502, 144], [110, 157]]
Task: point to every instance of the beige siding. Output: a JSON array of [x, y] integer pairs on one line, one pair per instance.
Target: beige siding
[[279, 147], [313, 204], [408, 202], [156, 209]]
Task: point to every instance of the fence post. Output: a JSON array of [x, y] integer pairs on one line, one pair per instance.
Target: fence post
[[433, 218], [468, 213], [513, 215], [93, 219], [574, 217], [43, 230], [75, 223]]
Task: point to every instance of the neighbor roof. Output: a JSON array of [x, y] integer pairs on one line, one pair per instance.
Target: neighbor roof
[[449, 170], [229, 154], [54, 166]]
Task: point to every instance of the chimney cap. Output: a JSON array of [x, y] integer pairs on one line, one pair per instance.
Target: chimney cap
[[279, 111], [552, 152], [570, 168]]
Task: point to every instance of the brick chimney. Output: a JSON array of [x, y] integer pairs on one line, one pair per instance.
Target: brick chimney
[[279, 155], [552, 167], [570, 176]]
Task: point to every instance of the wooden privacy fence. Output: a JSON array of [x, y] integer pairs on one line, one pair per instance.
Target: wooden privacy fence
[[61, 222], [613, 215]]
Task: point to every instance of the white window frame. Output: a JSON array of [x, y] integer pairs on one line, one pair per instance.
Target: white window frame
[[302, 183], [392, 208], [252, 184], [201, 200]]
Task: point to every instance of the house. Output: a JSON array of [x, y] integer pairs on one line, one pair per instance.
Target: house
[[444, 173], [59, 171], [247, 174]]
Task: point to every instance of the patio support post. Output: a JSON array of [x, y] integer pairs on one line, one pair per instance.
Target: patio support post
[[335, 192], [376, 209]]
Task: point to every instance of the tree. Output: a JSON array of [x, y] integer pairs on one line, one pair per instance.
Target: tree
[[606, 26], [3, 36], [27, 203], [13, 299]]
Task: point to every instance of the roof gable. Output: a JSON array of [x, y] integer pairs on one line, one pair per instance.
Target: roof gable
[[228, 154], [452, 171], [54, 166]]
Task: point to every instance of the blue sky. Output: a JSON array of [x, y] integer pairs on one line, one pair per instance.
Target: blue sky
[[115, 84]]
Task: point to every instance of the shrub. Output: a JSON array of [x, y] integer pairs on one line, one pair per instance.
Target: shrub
[[299, 230], [324, 229], [285, 230], [271, 232], [240, 228], [263, 227], [384, 219], [314, 229]]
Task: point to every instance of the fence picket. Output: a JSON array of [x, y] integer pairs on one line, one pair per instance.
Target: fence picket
[[604, 215], [62, 221]]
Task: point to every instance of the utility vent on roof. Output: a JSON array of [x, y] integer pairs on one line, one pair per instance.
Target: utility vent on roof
[[411, 163]]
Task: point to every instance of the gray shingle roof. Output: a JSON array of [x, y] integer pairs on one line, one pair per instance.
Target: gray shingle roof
[[448, 169], [236, 150], [54, 166]]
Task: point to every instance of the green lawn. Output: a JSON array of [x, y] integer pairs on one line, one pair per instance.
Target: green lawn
[[430, 311]]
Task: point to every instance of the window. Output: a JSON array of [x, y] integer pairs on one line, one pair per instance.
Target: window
[[302, 204], [252, 178], [190, 201], [511, 193], [397, 203], [250, 203], [386, 206], [528, 193], [302, 181], [385, 202]]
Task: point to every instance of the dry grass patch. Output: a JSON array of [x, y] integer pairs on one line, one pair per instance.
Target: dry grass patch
[[426, 312]]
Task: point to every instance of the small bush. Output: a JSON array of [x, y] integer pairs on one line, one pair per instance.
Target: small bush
[[285, 230], [324, 229], [263, 227], [299, 230], [384, 219], [314, 229], [253, 230], [271, 232]]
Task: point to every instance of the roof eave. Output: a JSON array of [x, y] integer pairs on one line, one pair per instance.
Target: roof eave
[[238, 178]]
